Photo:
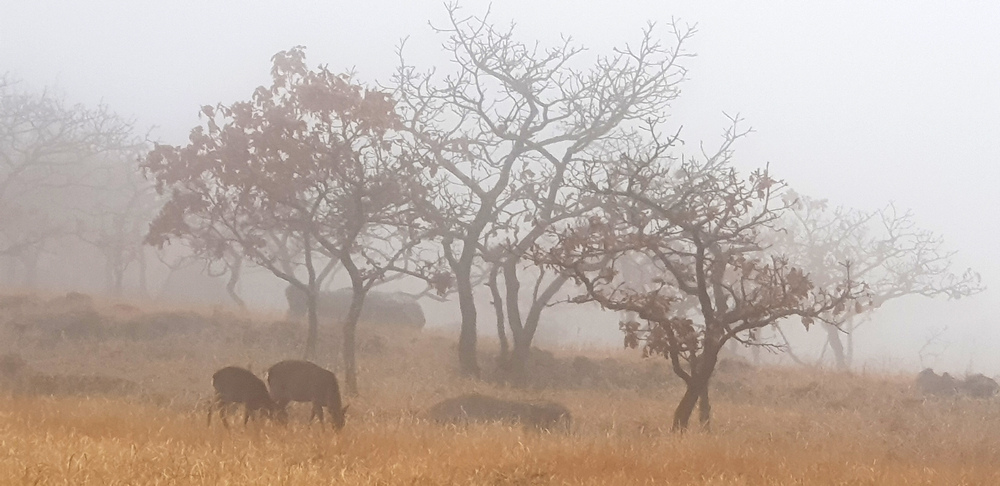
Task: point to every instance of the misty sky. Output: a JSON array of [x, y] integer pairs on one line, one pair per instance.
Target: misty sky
[[859, 102]]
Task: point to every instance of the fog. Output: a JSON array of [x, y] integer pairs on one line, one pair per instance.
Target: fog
[[857, 102]]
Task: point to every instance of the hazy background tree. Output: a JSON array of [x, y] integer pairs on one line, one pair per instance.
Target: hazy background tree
[[116, 219], [49, 163], [887, 249]]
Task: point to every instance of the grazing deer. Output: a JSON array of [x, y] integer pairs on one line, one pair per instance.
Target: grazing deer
[[474, 407], [239, 385], [302, 381]]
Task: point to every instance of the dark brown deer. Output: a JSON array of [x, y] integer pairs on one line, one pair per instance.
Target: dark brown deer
[[474, 407], [302, 381], [239, 385]]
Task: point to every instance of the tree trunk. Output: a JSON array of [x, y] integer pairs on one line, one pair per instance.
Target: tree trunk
[[119, 286], [697, 390], [311, 299], [350, 333], [498, 308], [109, 274], [850, 349], [516, 367], [234, 279], [837, 346], [849, 354], [467, 360], [705, 409], [524, 334], [143, 277], [695, 394], [117, 268], [682, 414], [312, 335]]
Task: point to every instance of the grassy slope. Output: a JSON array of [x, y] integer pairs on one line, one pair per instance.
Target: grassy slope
[[771, 426]]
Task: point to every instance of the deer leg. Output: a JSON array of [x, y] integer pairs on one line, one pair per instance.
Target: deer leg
[[212, 406], [223, 412], [282, 413], [317, 411]]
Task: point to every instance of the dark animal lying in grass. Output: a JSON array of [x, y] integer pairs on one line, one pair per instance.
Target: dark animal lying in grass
[[979, 386], [931, 383], [976, 386], [474, 407]]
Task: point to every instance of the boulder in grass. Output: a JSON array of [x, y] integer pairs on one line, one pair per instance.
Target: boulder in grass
[[396, 309]]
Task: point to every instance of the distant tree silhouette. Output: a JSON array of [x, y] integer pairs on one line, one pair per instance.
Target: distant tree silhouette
[[887, 249], [115, 219], [50, 155]]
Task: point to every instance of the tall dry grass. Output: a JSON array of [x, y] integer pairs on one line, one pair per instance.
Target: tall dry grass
[[771, 426]]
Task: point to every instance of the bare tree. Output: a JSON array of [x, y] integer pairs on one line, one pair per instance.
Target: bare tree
[[507, 128], [46, 152], [115, 219]]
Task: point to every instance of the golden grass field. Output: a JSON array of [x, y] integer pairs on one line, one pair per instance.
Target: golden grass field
[[770, 425]]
